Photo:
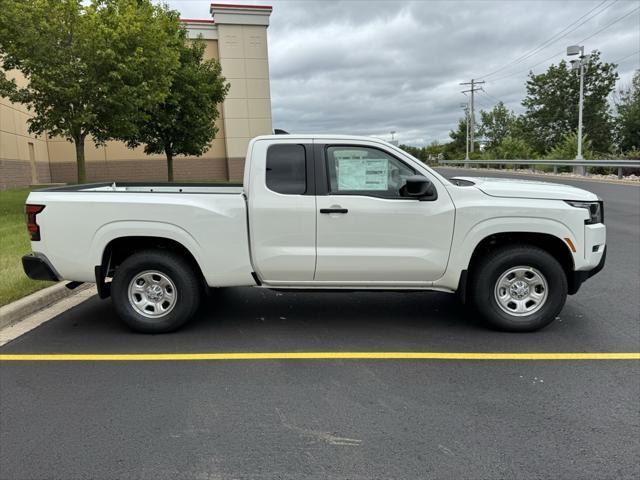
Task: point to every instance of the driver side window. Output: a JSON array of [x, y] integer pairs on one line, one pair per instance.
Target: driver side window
[[368, 171]]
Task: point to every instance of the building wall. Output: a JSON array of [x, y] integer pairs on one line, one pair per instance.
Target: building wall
[[24, 157], [247, 108], [238, 40]]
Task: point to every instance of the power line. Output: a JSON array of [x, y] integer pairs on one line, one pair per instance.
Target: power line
[[609, 24], [562, 51], [563, 33], [483, 105], [528, 69], [557, 36], [492, 97], [626, 56]]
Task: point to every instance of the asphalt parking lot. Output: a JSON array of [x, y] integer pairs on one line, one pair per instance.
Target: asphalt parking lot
[[337, 418]]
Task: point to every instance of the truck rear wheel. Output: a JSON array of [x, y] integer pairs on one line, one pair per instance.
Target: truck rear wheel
[[518, 289], [155, 291]]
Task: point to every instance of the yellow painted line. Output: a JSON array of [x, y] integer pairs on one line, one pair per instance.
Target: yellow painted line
[[315, 356]]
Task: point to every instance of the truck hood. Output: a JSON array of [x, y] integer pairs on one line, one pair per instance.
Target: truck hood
[[516, 188]]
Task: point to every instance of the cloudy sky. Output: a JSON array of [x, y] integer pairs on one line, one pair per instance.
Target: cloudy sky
[[368, 67]]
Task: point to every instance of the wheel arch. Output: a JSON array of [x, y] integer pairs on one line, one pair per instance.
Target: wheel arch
[[119, 249], [552, 244]]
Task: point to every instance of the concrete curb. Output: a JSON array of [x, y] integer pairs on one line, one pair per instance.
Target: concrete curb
[[540, 175], [16, 311]]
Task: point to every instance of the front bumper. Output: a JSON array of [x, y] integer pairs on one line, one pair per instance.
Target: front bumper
[[37, 267], [579, 277]]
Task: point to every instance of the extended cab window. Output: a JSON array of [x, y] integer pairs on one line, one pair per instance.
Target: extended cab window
[[365, 171], [286, 169]]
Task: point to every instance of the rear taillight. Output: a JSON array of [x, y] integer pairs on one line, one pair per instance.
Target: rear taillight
[[32, 225]]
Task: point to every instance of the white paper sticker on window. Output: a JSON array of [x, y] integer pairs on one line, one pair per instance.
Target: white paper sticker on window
[[362, 174]]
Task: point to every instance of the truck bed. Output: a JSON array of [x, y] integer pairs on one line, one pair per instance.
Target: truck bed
[[79, 222]]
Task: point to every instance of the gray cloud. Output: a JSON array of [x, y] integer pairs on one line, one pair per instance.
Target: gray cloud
[[368, 67]]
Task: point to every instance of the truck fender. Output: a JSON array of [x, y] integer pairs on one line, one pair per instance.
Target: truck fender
[[463, 247], [486, 228], [114, 230]]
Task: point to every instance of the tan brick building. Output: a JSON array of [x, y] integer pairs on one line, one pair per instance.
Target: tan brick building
[[237, 37]]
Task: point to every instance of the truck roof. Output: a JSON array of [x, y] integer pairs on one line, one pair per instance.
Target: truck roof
[[322, 136]]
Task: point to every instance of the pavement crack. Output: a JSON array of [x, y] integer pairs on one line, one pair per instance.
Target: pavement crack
[[445, 450], [326, 437]]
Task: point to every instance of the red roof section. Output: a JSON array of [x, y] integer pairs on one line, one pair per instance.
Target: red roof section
[[235, 5]]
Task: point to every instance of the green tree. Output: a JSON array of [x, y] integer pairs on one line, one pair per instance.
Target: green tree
[[414, 151], [628, 115], [91, 70], [456, 148], [567, 148], [496, 125], [513, 148], [435, 148], [552, 105], [184, 123]]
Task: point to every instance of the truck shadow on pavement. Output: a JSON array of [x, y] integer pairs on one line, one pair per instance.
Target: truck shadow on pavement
[[229, 307], [258, 320]]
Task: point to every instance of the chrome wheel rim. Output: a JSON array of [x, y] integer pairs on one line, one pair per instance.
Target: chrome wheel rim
[[152, 294], [521, 291]]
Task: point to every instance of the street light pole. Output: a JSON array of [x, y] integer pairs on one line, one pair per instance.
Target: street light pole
[[579, 65], [580, 104]]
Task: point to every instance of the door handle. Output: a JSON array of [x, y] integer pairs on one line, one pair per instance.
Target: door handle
[[333, 210]]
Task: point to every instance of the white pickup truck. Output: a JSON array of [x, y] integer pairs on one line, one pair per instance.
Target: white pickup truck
[[322, 212]]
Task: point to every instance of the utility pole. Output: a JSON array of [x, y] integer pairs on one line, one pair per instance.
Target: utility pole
[[466, 121], [472, 114]]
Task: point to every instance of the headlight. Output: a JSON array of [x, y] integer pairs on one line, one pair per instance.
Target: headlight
[[595, 209]]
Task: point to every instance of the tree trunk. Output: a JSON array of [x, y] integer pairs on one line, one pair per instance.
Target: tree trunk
[[80, 165], [169, 154]]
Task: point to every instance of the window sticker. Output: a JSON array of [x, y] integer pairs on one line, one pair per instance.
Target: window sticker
[[362, 173]]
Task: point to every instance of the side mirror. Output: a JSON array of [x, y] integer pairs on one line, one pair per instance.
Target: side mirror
[[419, 187]]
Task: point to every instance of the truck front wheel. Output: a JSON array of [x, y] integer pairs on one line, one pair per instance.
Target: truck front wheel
[[518, 289], [155, 291]]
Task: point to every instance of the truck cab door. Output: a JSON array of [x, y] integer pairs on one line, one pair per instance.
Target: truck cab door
[[282, 210], [370, 232]]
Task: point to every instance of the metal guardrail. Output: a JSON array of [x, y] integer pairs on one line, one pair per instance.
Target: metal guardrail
[[559, 163], [619, 164]]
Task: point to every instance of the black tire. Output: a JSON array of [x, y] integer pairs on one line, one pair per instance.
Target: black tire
[[489, 270], [182, 276]]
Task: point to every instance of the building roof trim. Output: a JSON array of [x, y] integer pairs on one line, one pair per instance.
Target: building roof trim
[[237, 14], [240, 6]]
